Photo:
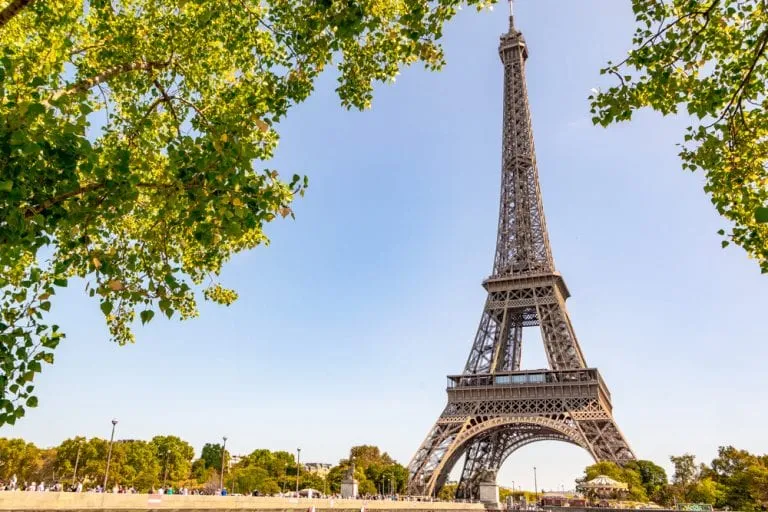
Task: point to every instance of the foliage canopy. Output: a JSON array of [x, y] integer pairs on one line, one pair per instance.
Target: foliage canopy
[[707, 58], [132, 136], [735, 480]]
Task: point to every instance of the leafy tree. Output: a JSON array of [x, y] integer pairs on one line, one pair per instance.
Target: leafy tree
[[211, 456], [335, 476], [708, 59], [93, 459], [730, 461], [374, 471], [686, 471], [267, 472], [366, 455], [275, 463], [19, 458], [67, 456], [757, 478], [704, 490], [199, 471], [664, 495], [280, 462], [261, 458], [132, 139], [366, 488], [653, 476], [741, 476], [47, 469], [134, 464], [448, 493], [311, 481], [174, 458], [249, 479]]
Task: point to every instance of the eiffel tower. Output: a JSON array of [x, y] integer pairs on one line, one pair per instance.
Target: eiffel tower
[[494, 408]]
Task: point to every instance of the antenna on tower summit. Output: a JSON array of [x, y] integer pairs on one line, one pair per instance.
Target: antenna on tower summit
[[511, 13]]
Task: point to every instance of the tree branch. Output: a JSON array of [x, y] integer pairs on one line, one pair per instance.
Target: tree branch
[[662, 29], [695, 35], [12, 9], [96, 186], [759, 53], [168, 101], [87, 83], [62, 197], [194, 107]]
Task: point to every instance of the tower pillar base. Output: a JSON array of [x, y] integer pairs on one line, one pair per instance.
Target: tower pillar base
[[489, 495]]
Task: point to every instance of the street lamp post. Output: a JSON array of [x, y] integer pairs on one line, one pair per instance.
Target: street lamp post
[[221, 477], [298, 469], [165, 468], [77, 461], [109, 454], [535, 486]]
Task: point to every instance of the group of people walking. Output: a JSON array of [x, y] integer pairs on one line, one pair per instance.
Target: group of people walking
[[14, 485]]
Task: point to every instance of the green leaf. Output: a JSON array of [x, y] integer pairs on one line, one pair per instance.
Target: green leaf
[[146, 315], [32, 401], [60, 282], [761, 215], [35, 109], [106, 307], [6, 186]]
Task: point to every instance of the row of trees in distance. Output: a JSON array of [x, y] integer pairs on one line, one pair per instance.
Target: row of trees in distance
[[735, 480], [169, 461]]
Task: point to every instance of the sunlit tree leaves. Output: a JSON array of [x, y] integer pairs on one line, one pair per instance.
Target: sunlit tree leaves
[[707, 59], [134, 136]]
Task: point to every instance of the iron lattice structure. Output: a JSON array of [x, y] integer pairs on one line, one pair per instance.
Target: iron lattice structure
[[494, 408]]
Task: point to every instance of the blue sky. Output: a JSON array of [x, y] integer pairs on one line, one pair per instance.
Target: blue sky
[[349, 321]]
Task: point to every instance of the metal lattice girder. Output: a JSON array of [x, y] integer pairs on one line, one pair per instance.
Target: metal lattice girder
[[492, 450], [494, 408]]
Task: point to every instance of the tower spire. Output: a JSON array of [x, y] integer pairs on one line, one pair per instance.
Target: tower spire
[[511, 15], [522, 246]]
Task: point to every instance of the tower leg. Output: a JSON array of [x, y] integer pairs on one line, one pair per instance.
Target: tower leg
[[422, 480], [606, 440], [560, 344]]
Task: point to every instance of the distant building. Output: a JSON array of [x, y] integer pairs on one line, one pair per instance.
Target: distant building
[[318, 468], [554, 499]]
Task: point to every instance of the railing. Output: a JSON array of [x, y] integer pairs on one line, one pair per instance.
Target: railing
[[527, 378]]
